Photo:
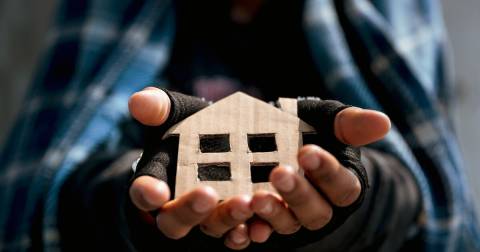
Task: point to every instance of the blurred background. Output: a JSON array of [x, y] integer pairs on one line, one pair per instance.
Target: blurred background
[[23, 26]]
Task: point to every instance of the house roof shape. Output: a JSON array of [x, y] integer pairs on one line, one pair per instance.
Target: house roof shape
[[240, 110]]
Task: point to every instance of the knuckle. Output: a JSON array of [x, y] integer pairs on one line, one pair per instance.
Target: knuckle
[[136, 195], [141, 203], [275, 210], [269, 210], [314, 224], [326, 172], [219, 224], [187, 219], [237, 240], [237, 247], [321, 219], [208, 231], [226, 219], [356, 188], [171, 227], [173, 233], [351, 194], [288, 229], [298, 197], [222, 216]]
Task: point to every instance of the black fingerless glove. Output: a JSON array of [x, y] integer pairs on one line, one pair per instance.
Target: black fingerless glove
[[160, 156], [159, 160]]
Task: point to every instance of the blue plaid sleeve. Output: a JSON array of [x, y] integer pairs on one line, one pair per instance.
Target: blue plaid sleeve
[[391, 56], [98, 53]]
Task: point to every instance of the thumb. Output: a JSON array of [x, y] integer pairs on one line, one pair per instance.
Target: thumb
[[148, 193], [150, 106], [356, 126]]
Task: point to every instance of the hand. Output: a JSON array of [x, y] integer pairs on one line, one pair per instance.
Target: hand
[[200, 206], [300, 203]]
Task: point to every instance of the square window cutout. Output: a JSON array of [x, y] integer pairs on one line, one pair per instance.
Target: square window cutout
[[260, 172], [262, 142], [210, 143], [214, 172]]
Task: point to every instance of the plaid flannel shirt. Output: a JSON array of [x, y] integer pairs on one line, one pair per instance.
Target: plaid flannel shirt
[[101, 51]]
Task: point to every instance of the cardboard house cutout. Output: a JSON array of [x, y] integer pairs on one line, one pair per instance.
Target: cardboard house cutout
[[233, 144]]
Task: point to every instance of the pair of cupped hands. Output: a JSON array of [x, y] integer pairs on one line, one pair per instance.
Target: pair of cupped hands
[[301, 200]]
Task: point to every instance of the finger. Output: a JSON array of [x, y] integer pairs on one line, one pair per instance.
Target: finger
[[340, 185], [237, 238], [273, 210], [150, 106], [227, 215], [259, 231], [356, 126], [177, 217], [148, 193], [310, 208]]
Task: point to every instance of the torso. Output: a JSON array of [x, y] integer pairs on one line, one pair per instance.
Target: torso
[[267, 58]]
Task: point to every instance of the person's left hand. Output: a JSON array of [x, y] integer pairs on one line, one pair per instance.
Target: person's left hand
[[309, 200], [300, 202]]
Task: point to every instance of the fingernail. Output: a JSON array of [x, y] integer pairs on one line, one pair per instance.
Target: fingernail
[[201, 206], [285, 181], [238, 238], [310, 160], [267, 208]]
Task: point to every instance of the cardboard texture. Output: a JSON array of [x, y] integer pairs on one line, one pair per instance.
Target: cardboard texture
[[237, 120]]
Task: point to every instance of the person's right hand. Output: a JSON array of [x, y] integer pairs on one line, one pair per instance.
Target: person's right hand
[[200, 206]]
